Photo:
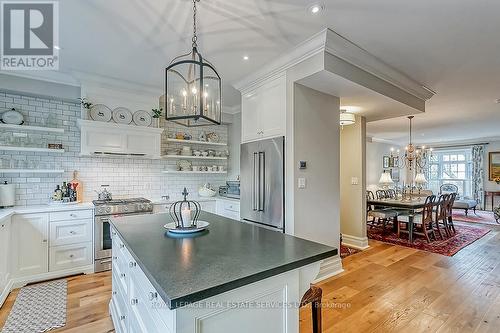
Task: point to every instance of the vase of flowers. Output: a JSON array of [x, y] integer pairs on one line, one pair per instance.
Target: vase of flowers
[[156, 116]]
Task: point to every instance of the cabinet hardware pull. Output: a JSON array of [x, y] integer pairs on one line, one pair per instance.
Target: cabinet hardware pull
[[122, 246], [73, 215], [114, 292], [122, 275], [152, 295], [44, 241], [72, 232], [132, 264], [134, 301], [115, 258], [71, 255], [122, 317]]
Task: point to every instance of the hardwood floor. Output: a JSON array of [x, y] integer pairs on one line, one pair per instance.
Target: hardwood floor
[[386, 288]]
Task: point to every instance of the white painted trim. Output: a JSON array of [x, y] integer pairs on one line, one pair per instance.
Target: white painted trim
[[380, 140], [329, 267], [329, 41], [5, 292], [348, 51], [308, 48], [18, 282], [360, 243]]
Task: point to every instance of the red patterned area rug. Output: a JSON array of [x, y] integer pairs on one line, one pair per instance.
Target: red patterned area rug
[[481, 216], [346, 251], [449, 246]]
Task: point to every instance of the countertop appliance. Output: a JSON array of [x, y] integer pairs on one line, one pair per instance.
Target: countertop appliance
[[7, 195], [231, 190], [104, 209], [263, 183]]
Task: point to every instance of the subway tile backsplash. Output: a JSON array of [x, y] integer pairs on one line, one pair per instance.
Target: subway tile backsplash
[[126, 177]]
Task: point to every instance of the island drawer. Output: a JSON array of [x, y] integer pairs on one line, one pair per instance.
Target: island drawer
[[159, 310], [121, 319], [120, 274], [71, 215], [142, 310]]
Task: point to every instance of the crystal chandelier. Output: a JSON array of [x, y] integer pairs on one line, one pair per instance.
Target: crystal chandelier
[[193, 95], [414, 158]]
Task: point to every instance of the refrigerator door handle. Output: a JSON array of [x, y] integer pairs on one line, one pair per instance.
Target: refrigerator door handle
[[262, 180], [255, 182]]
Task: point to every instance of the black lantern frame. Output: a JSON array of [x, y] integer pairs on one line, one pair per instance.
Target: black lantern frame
[[201, 116]]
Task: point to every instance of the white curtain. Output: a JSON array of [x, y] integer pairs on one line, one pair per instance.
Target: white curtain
[[478, 174]]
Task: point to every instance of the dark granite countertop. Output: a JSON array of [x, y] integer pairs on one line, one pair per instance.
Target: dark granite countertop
[[229, 255]]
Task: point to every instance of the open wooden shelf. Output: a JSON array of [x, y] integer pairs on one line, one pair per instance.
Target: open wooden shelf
[[195, 172], [193, 157], [32, 149], [32, 128], [195, 142], [30, 171]]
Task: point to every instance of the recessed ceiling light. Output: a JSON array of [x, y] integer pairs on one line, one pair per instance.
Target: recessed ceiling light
[[315, 9], [245, 58]]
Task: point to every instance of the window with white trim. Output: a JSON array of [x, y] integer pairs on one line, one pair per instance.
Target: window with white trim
[[451, 166]]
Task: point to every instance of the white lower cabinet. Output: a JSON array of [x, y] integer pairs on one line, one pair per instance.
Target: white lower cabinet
[[228, 208], [30, 244], [70, 256], [4, 252]]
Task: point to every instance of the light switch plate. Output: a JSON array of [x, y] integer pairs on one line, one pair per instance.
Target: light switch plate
[[301, 183], [354, 181]]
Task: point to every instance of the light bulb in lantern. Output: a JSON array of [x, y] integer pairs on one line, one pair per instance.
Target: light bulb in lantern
[[194, 91]]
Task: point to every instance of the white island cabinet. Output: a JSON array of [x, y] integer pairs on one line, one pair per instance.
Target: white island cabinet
[[173, 284], [4, 254]]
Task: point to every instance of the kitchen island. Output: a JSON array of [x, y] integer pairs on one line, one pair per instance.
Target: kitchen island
[[232, 278]]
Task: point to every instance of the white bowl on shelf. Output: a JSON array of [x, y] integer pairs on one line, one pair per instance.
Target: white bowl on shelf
[[206, 192]]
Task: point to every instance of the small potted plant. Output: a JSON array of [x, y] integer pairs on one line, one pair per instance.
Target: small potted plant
[[86, 104], [156, 116]]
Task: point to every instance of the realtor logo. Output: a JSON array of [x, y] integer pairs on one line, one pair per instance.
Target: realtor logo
[[29, 35]]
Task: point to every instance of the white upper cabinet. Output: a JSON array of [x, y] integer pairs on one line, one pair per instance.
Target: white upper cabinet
[[101, 139], [263, 111], [30, 244]]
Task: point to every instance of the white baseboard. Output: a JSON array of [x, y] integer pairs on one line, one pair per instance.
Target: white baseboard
[[5, 292], [360, 243], [329, 267], [18, 282]]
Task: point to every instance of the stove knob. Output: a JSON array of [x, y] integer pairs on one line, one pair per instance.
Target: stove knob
[[125, 209], [108, 210]]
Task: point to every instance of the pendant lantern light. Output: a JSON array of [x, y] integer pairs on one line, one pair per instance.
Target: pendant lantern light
[[193, 88]]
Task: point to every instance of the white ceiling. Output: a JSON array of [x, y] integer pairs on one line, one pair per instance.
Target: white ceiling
[[450, 46]]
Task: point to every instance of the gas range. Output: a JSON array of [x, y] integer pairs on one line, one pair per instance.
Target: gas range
[[122, 206]]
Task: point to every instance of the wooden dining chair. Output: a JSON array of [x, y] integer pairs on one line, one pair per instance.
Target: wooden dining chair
[[378, 215], [422, 221], [313, 296], [381, 194], [441, 215], [390, 193], [449, 211]]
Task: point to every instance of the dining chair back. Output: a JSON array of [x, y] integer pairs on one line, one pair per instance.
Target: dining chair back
[[390, 193], [381, 194], [449, 211], [441, 213]]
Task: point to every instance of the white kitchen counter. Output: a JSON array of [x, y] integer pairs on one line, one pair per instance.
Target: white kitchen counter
[[197, 198], [6, 212]]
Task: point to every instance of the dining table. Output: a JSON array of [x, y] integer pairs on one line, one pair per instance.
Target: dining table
[[412, 206]]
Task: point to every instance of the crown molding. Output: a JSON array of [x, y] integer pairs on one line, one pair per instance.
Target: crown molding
[[329, 41], [373, 139], [308, 48], [48, 76], [348, 51]]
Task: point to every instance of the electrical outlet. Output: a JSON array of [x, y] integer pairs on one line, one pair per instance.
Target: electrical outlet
[[301, 183]]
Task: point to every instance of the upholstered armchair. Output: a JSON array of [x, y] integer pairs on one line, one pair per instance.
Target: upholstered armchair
[[460, 203], [496, 212]]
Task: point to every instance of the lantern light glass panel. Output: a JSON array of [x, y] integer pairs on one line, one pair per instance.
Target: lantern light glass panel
[[193, 92]]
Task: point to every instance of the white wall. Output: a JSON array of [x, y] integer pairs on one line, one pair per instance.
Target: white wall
[[316, 137], [352, 196], [126, 177], [234, 139], [375, 151]]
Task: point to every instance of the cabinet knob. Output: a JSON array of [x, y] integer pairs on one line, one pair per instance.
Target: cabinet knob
[[122, 317], [122, 246], [44, 241], [134, 301], [122, 275], [113, 233], [132, 264], [71, 255], [115, 258], [72, 232], [152, 295], [73, 215], [114, 293]]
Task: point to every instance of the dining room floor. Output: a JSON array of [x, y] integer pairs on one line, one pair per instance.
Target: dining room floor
[[386, 288]]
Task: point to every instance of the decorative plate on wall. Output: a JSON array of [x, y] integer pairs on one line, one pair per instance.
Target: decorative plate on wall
[[100, 112], [142, 118], [122, 115], [12, 117]]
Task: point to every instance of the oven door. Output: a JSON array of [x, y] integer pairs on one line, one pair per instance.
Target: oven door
[[102, 237]]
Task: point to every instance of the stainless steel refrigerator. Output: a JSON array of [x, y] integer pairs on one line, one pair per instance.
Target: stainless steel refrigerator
[[262, 183]]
